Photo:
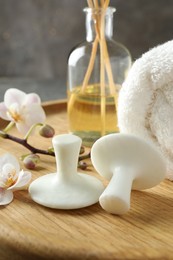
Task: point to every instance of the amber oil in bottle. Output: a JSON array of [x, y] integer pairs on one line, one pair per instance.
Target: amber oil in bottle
[[87, 119]]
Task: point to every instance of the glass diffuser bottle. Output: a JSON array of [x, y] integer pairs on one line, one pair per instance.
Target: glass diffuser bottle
[[96, 71]]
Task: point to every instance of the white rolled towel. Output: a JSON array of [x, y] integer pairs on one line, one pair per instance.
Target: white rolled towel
[[145, 104]]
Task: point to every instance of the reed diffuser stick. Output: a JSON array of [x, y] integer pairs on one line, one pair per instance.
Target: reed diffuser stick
[[92, 5], [95, 5], [105, 66], [91, 64], [102, 77], [107, 86]]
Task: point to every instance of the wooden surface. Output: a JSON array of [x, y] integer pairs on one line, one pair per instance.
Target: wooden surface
[[31, 231]]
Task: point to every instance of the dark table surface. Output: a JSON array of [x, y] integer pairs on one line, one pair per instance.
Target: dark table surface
[[47, 89]]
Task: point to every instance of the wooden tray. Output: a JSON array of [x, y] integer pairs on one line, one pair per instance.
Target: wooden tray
[[30, 231]]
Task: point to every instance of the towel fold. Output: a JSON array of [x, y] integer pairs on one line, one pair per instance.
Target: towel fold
[[145, 104]]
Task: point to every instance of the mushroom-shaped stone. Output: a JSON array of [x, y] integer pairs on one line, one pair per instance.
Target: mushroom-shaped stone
[[129, 162], [66, 189]]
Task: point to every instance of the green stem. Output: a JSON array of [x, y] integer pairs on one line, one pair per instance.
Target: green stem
[[31, 129], [8, 127]]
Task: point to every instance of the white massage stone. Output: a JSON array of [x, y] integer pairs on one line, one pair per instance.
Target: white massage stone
[[130, 163], [66, 188]]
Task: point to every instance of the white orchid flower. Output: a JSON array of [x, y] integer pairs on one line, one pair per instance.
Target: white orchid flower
[[11, 178], [23, 109]]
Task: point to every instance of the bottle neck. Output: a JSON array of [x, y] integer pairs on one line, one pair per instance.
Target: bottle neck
[[99, 22]]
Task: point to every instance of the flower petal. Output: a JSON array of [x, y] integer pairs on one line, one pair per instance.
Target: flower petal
[[31, 115], [6, 196], [14, 112], [23, 128], [8, 175], [32, 98], [9, 158], [23, 178], [35, 114], [14, 95], [3, 111]]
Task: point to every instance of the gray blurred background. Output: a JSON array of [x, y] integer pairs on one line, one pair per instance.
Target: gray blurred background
[[36, 37]]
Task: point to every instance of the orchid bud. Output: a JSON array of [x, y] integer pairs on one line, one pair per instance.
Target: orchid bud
[[31, 161], [47, 131], [82, 165]]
